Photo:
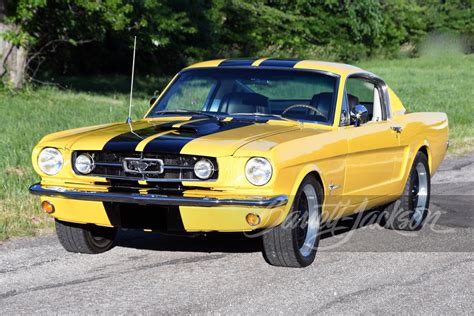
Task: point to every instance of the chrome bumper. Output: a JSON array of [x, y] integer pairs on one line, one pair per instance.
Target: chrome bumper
[[154, 199]]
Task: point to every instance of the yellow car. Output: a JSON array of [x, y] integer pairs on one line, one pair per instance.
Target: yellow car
[[271, 146]]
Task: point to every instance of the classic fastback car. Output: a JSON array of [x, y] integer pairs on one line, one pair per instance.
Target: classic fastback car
[[274, 146]]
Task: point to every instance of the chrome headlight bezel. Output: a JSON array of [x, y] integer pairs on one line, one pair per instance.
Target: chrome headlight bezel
[[50, 161], [258, 171], [87, 162], [204, 165]]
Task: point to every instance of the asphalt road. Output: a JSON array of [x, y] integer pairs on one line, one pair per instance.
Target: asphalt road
[[364, 270]]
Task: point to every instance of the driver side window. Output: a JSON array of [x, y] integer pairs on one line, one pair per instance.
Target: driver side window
[[362, 91], [345, 113]]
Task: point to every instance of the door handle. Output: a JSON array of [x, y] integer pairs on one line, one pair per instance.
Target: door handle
[[397, 129]]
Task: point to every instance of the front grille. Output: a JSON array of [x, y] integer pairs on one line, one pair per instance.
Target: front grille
[[176, 168]]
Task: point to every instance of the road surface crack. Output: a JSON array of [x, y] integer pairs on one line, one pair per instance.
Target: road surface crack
[[27, 267], [180, 261], [367, 291], [50, 286], [104, 276], [460, 166]]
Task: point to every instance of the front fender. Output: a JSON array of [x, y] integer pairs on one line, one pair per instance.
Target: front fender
[[302, 173]]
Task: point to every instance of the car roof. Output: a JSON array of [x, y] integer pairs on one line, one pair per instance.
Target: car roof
[[335, 68]]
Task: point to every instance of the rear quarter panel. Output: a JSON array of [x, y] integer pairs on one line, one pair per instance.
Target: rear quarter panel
[[422, 129]]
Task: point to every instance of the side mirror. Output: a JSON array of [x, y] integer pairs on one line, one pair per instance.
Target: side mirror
[[153, 100], [359, 115]]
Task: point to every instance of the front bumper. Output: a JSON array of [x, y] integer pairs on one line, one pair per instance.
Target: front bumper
[[155, 199]]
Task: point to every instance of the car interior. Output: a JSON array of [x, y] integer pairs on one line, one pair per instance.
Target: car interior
[[306, 97], [238, 98], [361, 91], [250, 102]]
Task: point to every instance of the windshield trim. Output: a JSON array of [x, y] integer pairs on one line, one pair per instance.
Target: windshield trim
[[331, 122]]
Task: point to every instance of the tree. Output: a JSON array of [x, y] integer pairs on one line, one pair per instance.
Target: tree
[[13, 55], [88, 37], [31, 29]]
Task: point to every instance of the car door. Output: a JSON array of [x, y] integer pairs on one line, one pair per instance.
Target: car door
[[373, 147]]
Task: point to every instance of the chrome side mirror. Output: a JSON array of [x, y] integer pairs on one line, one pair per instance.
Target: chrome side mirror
[[359, 115]]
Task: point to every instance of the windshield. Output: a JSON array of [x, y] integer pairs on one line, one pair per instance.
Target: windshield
[[298, 95]]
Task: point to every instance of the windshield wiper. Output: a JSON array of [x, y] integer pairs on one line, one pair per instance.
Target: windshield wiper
[[263, 115], [187, 112]]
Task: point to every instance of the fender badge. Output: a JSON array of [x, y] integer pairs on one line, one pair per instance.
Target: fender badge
[[332, 187]]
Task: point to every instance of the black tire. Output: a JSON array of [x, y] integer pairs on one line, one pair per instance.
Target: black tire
[[82, 238], [409, 212], [283, 245]]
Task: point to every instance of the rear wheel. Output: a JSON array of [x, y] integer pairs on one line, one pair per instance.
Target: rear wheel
[[411, 209], [82, 238], [294, 242]]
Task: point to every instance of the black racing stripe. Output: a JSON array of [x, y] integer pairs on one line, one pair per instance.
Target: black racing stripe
[[156, 217], [287, 63], [171, 143], [174, 142], [127, 142], [237, 63]]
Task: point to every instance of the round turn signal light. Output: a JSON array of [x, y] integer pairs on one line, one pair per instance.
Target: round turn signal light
[[47, 207], [252, 219]]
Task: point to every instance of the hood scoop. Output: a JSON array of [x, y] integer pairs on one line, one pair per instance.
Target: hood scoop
[[198, 127]]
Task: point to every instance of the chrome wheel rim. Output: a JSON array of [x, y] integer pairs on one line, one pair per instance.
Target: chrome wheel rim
[[308, 220], [419, 192]]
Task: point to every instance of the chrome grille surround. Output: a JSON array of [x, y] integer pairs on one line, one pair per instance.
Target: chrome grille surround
[[174, 167]]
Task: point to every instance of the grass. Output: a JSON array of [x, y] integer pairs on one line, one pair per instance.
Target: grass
[[440, 83], [425, 84], [26, 118]]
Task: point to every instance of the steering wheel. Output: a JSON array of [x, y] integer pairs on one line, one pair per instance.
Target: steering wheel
[[306, 106]]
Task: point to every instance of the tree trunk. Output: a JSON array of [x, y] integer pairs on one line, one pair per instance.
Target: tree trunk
[[12, 60]]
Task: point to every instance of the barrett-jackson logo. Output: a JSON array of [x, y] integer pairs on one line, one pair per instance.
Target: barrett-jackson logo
[[143, 165]]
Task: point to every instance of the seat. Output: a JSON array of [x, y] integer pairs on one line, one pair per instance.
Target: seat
[[323, 102], [353, 101], [244, 102]]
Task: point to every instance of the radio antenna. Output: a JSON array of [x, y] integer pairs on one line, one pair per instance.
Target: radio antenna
[[129, 118]]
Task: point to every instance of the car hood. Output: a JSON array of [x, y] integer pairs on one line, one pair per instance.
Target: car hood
[[174, 135]]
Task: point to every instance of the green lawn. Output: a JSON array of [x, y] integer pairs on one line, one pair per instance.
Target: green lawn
[[27, 117], [442, 84], [428, 84]]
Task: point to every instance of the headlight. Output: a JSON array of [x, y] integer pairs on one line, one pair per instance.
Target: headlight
[[84, 163], [258, 171], [203, 169], [50, 161]]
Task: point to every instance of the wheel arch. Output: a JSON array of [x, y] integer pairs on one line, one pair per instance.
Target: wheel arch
[[318, 178], [312, 170], [425, 149]]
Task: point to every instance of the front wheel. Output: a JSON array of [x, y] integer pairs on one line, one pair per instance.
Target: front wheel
[[83, 238], [294, 242], [411, 209]]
